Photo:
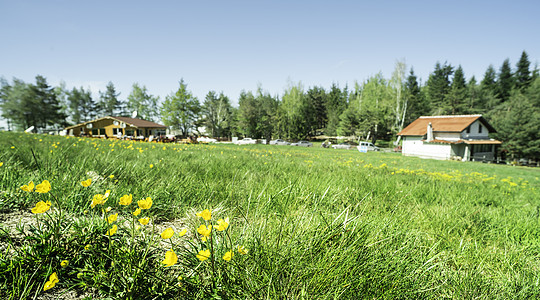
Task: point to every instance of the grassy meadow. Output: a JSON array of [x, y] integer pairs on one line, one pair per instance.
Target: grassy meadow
[[289, 223]]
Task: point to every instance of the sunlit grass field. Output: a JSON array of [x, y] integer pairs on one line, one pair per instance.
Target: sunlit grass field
[[303, 223]]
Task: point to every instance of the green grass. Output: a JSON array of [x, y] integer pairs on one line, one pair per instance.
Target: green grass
[[318, 223]]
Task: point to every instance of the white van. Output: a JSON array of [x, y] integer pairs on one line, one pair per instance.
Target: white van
[[367, 146]]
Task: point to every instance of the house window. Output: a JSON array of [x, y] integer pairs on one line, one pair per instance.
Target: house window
[[469, 129], [95, 131], [479, 128], [129, 132]]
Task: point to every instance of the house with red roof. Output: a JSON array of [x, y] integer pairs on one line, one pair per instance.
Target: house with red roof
[[463, 137], [121, 127]]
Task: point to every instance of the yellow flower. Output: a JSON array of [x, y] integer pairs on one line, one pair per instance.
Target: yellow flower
[[43, 187], [112, 230], [126, 199], [53, 279], [112, 218], [28, 187], [137, 212], [242, 250], [182, 232], [98, 199], [222, 224], [107, 193], [204, 231], [151, 166], [87, 247], [203, 255], [170, 258], [1, 163], [205, 214], [228, 256], [167, 233], [108, 209], [64, 263], [145, 203], [87, 182], [144, 221], [111, 176], [41, 207]]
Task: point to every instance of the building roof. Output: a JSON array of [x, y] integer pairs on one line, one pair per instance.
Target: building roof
[[469, 142], [137, 123], [443, 124]]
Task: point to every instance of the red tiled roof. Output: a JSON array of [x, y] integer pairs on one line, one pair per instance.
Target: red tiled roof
[[443, 124]]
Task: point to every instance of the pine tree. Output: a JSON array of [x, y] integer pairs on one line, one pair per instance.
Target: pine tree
[[458, 92], [438, 87], [109, 105], [505, 82], [523, 75]]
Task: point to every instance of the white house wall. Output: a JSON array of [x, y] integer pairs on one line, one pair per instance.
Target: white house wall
[[448, 136], [474, 134], [414, 146]]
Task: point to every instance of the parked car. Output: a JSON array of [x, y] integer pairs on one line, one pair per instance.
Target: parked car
[[205, 139], [342, 146], [279, 142], [246, 141], [302, 144], [366, 146]]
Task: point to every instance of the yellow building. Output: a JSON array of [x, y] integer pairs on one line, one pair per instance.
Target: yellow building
[[117, 127]]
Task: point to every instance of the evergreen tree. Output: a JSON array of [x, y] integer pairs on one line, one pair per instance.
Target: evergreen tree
[[472, 105], [48, 107], [216, 111], [488, 90], [181, 110], [248, 115], [268, 108], [416, 106], [143, 103], [82, 107], [336, 103], [458, 92], [316, 96], [109, 105], [523, 75], [438, 88], [505, 82]]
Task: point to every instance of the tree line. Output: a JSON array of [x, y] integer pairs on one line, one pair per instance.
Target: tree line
[[377, 108]]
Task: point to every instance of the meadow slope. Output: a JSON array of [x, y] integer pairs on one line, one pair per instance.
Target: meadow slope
[[303, 223]]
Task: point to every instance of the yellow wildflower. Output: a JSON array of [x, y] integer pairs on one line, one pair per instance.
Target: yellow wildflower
[[112, 218], [203, 255], [167, 233], [126, 199], [98, 199], [170, 258], [112, 175], [41, 207], [205, 214], [137, 212], [151, 166], [1, 163], [204, 231], [112, 230], [53, 279], [145, 203], [144, 221], [108, 209], [228, 256], [222, 224], [28, 187], [87, 247], [242, 250], [64, 263], [182, 232], [87, 182], [43, 187]]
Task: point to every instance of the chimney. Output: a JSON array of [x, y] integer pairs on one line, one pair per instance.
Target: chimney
[[429, 133]]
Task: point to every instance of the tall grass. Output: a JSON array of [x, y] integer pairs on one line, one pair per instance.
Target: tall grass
[[317, 223]]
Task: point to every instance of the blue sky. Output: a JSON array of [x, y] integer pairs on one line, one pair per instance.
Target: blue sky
[[233, 45]]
